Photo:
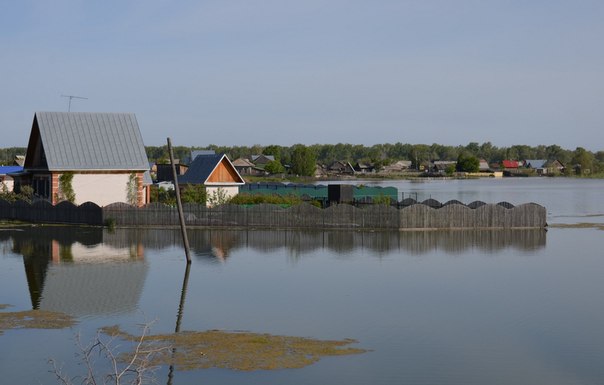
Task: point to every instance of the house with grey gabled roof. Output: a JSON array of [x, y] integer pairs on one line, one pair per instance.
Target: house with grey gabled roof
[[102, 153], [216, 173]]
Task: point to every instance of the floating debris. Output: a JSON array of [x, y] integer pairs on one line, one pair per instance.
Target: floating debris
[[243, 351], [33, 319]]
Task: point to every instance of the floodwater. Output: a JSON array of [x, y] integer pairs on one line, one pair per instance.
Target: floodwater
[[438, 307]]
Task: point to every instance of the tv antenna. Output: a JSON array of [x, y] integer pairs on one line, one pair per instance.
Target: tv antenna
[[71, 97]]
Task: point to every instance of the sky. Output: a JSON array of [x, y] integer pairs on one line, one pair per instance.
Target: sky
[[245, 72]]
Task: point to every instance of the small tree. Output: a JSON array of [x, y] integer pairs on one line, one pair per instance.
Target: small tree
[[65, 192], [303, 160], [26, 194], [218, 197], [274, 167], [192, 193], [467, 163], [132, 190]]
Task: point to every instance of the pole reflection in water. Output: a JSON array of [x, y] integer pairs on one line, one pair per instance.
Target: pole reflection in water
[[181, 309]]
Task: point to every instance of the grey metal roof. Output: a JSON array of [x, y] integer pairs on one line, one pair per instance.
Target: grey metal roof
[[535, 163], [202, 167], [92, 141]]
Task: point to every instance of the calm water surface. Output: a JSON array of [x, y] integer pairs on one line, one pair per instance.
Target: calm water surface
[[450, 307]]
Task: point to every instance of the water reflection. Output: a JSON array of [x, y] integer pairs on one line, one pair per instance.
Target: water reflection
[[90, 271], [79, 271], [217, 245]]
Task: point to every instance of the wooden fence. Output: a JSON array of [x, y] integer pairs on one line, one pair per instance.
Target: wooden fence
[[426, 215], [43, 212]]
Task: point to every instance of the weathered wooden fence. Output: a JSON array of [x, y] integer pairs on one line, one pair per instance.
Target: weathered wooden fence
[[426, 215], [43, 212]]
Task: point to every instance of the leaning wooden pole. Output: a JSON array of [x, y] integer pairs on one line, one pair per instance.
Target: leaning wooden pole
[[181, 215]]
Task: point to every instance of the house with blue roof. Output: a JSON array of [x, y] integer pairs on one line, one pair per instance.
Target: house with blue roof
[[216, 173], [6, 180], [99, 156]]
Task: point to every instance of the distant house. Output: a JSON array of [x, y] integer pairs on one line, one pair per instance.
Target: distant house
[[196, 153], [536, 164], [19, 160], [340, 168], [6, 181], [245, 167], [554, 166], [441, 166], [397, 167], [261, 160], [483, 165], [103, 153], [215, 172], [164, 171], [510, 164], [364, 168]]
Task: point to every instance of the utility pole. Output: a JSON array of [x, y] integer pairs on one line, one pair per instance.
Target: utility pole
[[72, 97]]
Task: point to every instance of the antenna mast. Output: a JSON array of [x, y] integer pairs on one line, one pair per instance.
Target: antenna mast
[[71, 97]]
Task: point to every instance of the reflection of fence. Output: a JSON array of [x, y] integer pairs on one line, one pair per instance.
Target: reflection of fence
[[429, 214], [207, 243]]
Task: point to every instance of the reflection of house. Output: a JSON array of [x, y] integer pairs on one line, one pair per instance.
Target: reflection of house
[[76, 271], [215, 172], [6, 181], [102, 152]]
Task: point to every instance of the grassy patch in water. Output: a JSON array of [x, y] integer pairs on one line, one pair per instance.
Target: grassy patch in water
[[33, 319], [237, 350]]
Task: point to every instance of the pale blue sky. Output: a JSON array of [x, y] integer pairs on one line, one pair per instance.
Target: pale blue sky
[[246, 72]]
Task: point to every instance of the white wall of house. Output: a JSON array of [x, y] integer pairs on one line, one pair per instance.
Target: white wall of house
[[230, 191], [9, 183], [101, 189]]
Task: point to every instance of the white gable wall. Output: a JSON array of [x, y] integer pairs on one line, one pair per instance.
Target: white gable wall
[[230, 191], [102, 189]]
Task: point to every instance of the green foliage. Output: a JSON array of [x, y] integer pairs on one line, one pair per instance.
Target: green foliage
[[584, 160], [132, 190], [26, 194], [255, 199], [273, 150], [7, 155], [160, 195], [381, 200], [66, 192], [218, 197], [303, 160], [467, 163], [450, 170], [274, 167], [193, 193]]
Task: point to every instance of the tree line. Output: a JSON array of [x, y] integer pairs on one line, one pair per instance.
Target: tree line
[[302, 158]]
